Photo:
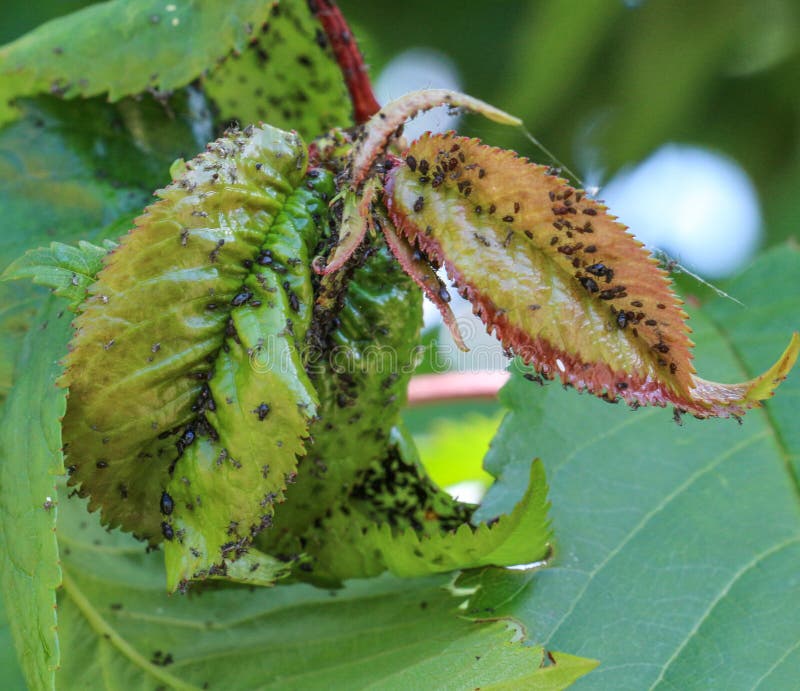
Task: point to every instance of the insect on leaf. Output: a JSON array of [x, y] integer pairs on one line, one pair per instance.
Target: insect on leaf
[[184, 373], [365, 548], [124, 48], [557, 278], [361, 379], [286, 76]]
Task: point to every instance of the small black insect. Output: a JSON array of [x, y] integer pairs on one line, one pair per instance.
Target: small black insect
[[167, 505], [167, 531], [241, 298]]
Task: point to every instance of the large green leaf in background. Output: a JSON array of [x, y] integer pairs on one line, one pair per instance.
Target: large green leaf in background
[[125, 47], [30, 432], [68, 170], [677, 547], [10, 673], [123, 631]]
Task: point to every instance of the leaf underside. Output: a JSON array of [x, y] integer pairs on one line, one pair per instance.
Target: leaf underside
[[559, 280], [361, 377], [353, 544]]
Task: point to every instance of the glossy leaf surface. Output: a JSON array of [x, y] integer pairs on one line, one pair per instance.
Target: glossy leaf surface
[[558, 280], [152, 327], [686, 595], [259, 404]]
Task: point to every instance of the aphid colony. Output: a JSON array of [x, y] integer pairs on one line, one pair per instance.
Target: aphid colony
[[205, 316]]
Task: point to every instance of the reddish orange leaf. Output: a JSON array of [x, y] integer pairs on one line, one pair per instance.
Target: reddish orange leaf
[[558, 279]]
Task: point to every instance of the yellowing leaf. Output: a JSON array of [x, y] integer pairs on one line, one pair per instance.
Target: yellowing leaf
[[188, 402], [559, 280]]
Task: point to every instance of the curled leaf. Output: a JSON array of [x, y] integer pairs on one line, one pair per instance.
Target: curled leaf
[[385, 123], [356, 221], [425, 277], [366, 548], [558, 279], [361, 377], [168, 355]]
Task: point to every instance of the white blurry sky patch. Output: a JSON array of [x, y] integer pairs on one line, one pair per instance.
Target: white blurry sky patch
[[420, 68], [698, 206]]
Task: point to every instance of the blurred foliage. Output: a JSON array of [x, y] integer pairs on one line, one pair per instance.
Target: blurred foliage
[[603, 83], [453, 450]]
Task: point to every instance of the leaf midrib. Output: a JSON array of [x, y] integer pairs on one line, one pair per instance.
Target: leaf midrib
[[107, 632]]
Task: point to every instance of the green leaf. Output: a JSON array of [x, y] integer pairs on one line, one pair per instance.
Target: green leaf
[[354, 548], [286, 76], [10, 672], [118, 624], [67, 171], [125, 47], [679, 544], [186, 355], [30, 448], [360, 370], [558, 280], [68, 271]]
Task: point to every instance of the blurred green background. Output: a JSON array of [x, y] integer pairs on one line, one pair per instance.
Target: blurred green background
[[604, 84]]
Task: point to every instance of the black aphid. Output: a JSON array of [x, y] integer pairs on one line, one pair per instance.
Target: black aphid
[[166, 504], [167, 531]]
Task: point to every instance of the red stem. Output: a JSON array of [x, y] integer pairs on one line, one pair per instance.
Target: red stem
[[349, 57]]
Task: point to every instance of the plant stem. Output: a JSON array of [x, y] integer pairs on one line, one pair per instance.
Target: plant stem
[[349, 57]]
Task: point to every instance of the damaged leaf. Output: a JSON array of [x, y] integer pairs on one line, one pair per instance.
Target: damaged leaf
[[364, 546], [170, 347], [557, 278]]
